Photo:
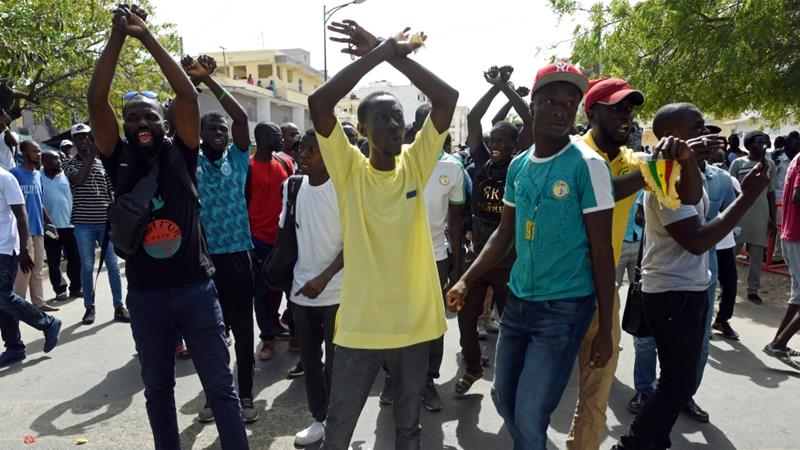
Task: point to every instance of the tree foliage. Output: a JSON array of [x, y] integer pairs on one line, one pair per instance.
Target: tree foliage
[[48, 49], [725, 56]]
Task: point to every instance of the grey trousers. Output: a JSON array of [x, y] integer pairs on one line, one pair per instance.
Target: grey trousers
[[756, 254], [354, 372]]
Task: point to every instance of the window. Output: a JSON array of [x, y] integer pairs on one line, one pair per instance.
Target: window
[[300, 84], [240, 72], [264, 71], [289, 76]]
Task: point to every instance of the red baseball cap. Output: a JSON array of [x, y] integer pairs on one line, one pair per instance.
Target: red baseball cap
[[610, 91], [560, 71]]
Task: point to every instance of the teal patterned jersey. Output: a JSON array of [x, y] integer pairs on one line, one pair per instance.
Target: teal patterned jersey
[[224, 210]]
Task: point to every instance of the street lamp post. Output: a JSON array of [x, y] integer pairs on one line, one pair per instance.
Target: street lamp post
[[224, 61], [326, 16]]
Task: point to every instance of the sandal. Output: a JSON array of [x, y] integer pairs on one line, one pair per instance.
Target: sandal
[[466, 381]]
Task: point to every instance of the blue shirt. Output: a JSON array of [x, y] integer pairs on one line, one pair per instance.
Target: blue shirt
[[57, 198], [223, 215], [634, 232], [721, 193], [31, 184], [551, 195]]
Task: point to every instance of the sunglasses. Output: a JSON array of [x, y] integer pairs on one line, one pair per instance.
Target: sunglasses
[[131, 94]]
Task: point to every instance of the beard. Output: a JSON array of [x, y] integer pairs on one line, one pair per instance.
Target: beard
[[149, 151]]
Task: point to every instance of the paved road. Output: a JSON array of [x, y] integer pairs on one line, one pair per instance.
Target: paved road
[[89, 387]]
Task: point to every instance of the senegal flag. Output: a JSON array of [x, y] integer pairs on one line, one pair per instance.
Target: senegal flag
[[661, 176]]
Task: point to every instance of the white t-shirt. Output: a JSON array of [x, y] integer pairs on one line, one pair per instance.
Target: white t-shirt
[[11, 195], [319, 240], [6, 158], [445, 187], [666, 266]]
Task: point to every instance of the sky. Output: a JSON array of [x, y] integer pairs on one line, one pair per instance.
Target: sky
[[465, 37]]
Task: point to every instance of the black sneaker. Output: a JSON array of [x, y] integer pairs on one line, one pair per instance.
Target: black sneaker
[[755, 298], [60, 297], [76, 294], [430, 398], [694, 411], [88, 316], [121, 315], [296, 371], [635, 404], [726, 330]]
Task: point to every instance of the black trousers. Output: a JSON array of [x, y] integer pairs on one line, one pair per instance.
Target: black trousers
[[67, 246], [437, 345], [726, 264], [314, 326], [234, 282], [677, 322]]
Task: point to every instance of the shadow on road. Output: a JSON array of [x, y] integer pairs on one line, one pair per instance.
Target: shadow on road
[[112, 396]]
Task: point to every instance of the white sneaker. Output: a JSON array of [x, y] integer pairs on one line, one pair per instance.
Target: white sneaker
[[313, 434], [482, 334]]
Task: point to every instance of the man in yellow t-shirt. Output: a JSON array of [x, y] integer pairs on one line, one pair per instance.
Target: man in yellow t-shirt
[[391, 303], [609, 105]]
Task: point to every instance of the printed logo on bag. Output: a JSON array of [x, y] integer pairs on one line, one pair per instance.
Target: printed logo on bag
[[560, 189], [162, 239]]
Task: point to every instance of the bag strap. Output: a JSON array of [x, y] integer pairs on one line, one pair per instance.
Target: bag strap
[[638, 272], [178, 165], [292, 188], [289, 170], [147, 186]]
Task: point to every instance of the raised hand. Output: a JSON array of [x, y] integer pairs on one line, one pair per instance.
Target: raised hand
[[674, 148], [523, 91], [705, 146], [505, 72], [408, 43], [756, 180], [130, 20], [198, 69], [359, 41], [492, 76]]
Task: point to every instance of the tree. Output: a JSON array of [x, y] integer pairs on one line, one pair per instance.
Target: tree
[[725, 56], [48, 49]]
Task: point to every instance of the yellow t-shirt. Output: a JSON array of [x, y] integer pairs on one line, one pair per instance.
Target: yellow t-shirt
[[625, 162], [390, 293]]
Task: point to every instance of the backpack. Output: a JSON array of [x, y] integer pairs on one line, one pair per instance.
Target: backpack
[[278, 269]]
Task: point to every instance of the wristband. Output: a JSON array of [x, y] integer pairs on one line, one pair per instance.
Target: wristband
[[223, 95]]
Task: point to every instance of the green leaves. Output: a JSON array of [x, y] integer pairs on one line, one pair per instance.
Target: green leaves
[[48, 49], [725, 56]]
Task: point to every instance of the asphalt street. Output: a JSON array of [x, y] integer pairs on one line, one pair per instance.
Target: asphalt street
[[89, 389]]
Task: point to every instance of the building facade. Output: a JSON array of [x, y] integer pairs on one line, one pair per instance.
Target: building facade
[[271, 85]]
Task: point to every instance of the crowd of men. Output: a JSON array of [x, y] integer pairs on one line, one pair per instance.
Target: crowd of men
[[382, 228]]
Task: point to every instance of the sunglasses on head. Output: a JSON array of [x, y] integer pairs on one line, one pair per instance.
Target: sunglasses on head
[[132, 94]]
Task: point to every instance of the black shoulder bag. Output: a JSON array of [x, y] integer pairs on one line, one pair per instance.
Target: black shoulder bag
[[633, 321], [278, 269], [130, 214]]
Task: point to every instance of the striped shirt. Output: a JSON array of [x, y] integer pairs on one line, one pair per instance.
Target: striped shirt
[[90, 200]]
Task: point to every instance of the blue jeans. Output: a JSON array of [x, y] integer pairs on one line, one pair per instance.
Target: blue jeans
[[193, 311], [14, 308], [90, 236], [644, 365], [536, 349]]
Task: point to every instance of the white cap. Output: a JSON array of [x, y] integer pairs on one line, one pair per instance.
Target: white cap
[[66, 143], [79, 128]]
